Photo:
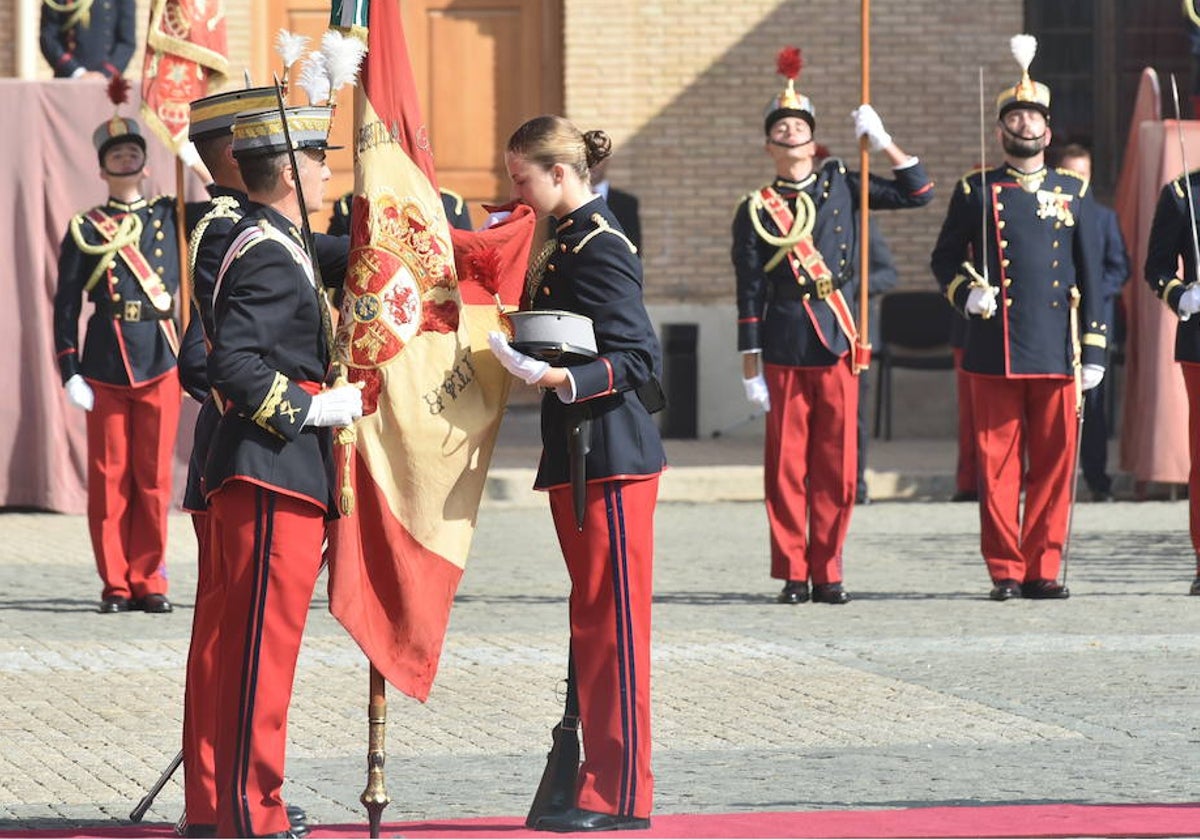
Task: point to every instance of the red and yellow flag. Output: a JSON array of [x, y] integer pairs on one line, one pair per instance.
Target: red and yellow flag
[[433, 394], [185, 47]]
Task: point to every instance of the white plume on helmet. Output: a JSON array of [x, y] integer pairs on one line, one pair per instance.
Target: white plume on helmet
[[343, 55], [290, 47], [1024, 48], [314, 79]]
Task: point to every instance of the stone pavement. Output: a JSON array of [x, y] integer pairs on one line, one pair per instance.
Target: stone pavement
[[920, 692]]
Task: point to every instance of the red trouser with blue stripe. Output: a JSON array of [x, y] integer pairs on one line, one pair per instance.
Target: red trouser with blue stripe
[[266, 547], [611, 563]]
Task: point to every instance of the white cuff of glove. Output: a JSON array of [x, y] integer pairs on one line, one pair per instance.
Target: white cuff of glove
[[188, 154], [1189, 303], [1091, 376], [338, 406], [868, 123], [982, 302], [757, 393], [526, 368], [79, 393], [566, 391]]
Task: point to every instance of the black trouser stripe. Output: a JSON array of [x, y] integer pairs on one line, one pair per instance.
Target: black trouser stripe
[[626, 679], [264, 518]]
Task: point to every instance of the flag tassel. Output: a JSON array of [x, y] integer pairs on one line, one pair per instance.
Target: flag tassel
[[346, 438]]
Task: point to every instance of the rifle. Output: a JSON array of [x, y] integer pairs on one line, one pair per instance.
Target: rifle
[[556, 790]]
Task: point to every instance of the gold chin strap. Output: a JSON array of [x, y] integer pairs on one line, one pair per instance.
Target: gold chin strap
[[802, 226]]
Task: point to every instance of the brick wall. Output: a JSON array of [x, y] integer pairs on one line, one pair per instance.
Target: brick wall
[[681, 86], [8, 50]]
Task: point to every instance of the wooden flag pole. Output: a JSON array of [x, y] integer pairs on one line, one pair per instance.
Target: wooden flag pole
[[863, 355], [375, 797]]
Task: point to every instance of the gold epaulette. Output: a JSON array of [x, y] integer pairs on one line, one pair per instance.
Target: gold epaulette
[[75, 226], [966, 178], [835, 162], [1179, 186], [1084, 182], [223, 207], [602, 226], [458, 199]]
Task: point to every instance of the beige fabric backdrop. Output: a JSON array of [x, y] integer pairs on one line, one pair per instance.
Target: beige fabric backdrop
[[48, 169]]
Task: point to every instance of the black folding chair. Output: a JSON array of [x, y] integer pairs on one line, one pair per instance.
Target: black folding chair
[[914, 331]]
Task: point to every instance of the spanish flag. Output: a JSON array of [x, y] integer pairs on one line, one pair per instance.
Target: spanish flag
[[413, 331], [185, 48]]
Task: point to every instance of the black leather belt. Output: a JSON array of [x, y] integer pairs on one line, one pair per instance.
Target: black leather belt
[[791, 290], [132, 311]]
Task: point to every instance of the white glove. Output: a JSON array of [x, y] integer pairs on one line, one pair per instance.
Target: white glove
[[1189, 303], [338, 406], [756, 392], [982, 302], [188, 154], [526, 368], [79, 393], [1091, 376], [867, 123]]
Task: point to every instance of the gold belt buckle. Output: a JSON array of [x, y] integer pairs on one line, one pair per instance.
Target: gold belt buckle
[[131, 310], [824, 287]]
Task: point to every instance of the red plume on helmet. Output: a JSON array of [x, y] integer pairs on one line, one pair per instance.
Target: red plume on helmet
[[789, 63], [117, 129], [789, 103], [118, 89]]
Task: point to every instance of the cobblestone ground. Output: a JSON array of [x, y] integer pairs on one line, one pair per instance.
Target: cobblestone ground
[[920, 692]]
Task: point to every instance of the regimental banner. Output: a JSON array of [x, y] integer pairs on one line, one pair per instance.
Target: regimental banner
[[350, 14], [433, 394], [185, 48]]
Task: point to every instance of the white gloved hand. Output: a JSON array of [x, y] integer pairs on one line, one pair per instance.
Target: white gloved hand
[[188, 154], [868, 123], [1189, 303], [756, 392], [982, 302], [1091, 376], [526, 368], [79, 393], [338, 406]]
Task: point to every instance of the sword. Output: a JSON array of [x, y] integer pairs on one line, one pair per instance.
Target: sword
[[1077, 366], [144, 805], [983, 186], [1187, 180], [305, 227]]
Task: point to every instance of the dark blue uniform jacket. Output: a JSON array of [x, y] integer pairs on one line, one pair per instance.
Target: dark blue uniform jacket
[[270, 337], [1041, 243], [594, 271], [782, 314]]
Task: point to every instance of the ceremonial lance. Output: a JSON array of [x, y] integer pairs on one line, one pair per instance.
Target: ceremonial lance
[[862, 358]]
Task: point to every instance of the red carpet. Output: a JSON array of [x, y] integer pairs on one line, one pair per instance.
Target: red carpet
[[1181, 820]]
